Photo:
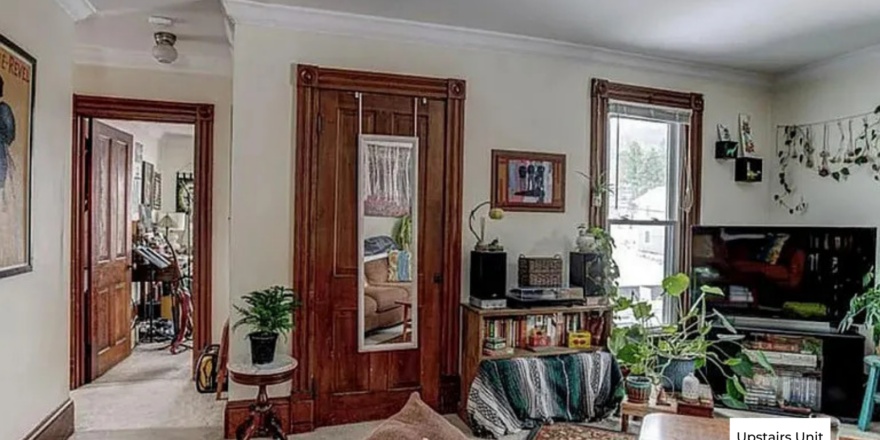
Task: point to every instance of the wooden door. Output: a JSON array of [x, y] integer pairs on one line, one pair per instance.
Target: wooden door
[[353, 386], [109, 215]]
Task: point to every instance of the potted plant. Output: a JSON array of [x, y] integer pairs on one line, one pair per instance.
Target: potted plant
[[268, 312], [668, 353], [869, 304]]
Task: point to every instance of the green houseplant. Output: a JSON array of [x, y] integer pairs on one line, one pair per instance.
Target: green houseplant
[[268, 313], [665, 354], [867, 303], [401, 233]]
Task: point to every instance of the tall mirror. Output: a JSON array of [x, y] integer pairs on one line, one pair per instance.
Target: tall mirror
[[388, 242]]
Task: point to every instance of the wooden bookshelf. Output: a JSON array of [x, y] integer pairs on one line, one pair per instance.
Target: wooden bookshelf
[[474, 325]]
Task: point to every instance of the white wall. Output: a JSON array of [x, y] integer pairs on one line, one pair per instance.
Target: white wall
[[210, 89], [178, 155], [831, 94], [34, 318], [514, 101]]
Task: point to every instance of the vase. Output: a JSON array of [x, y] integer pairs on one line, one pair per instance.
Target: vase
[[675, 372], [638, 389], [263, 347], [585, 242]]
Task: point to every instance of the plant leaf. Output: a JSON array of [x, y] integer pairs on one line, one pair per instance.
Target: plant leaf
[[724, 322], [675, 285], [711, 290], [763, 362], [730, 402]]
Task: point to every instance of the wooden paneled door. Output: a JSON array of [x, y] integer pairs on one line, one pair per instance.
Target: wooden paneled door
[[334, 383], [356, 386], [109, 297]]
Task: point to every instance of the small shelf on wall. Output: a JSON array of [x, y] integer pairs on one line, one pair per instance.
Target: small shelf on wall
[[726, 150], [749, 169]]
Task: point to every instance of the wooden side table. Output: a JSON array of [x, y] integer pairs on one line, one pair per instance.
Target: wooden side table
[[262, 421], [629, 409], [407, 316], [678, 427]]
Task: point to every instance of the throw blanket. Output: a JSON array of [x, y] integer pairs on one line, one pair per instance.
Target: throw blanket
[[511, 395]]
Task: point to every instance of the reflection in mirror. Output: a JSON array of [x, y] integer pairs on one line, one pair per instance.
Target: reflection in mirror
[[388, 242]]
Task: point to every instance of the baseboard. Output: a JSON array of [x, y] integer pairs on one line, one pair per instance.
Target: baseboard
[[56, 426], [238, 411]]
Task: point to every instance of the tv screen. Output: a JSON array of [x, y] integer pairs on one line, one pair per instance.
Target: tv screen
[[797, 273]]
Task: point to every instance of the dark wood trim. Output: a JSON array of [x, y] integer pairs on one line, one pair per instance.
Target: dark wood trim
[[238, 411], [602, 91], [58, 425], [499, 187], [201, 116], [311, 80]]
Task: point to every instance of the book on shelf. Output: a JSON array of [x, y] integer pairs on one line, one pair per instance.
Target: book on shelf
[[785, 359], [540, 332]]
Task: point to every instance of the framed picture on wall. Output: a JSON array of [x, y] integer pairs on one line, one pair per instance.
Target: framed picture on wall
[[186, 189], [147, 184], [527, 181], [17, 86], [157, 191]]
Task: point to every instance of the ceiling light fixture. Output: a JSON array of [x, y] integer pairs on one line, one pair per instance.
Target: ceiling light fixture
[[164, 51]]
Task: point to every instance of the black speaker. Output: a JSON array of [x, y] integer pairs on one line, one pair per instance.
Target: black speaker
[[586, 270], [489, 275]]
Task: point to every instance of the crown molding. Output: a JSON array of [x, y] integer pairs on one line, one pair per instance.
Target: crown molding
[[78, 9], [830, 66], [366, 26], [103, 56]]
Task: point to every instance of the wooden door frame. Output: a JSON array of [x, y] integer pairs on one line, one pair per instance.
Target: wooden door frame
[[201, 116], [311, 80]]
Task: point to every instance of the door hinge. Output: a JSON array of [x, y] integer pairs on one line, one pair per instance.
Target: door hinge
[[320, 123]]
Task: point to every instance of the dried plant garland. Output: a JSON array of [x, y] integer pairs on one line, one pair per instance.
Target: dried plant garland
[[857, 141]]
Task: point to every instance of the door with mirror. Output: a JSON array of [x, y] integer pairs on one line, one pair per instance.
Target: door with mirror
[[379, 253]]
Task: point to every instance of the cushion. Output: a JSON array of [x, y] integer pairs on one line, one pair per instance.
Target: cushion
[[386, 297], [399, 264], [417, 421], [376, 271], [378, 244]]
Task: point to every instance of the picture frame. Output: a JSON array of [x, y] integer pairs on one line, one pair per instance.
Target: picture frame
[[147, 184], [185, 193], [157, 191], [18, 76], [528, 181]]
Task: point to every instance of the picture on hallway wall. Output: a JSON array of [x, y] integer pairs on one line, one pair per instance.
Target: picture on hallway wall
[[525, 181], [147, 183], [17, 86], [186, 189], [157, 191]]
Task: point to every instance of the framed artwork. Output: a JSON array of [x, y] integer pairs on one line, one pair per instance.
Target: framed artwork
[[157, 191], [745, 135], [525, 181], [137, 178], [147, 184], [186, 190], [17, 87]]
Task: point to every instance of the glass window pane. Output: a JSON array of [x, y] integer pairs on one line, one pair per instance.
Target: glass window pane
[[638, 169], [641, 256]]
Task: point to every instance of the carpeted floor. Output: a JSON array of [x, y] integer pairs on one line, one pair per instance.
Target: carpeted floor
[[150, 395]]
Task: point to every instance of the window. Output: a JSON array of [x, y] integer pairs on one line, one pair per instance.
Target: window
[[641, 150]]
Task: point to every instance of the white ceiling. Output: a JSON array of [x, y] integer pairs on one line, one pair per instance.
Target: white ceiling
[[121, 32], [767, 36], [762, 36], [151, 130]]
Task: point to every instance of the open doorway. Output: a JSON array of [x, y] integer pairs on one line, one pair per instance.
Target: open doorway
[[141, 235]]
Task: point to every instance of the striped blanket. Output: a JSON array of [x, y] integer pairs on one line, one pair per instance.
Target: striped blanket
[[511, 395]]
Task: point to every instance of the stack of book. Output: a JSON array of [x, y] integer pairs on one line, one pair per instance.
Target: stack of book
[[796, 385]]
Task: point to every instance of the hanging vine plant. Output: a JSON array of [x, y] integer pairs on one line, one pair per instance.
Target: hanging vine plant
[[857, 142]]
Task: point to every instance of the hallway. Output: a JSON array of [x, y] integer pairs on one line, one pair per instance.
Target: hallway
[[148, 396]]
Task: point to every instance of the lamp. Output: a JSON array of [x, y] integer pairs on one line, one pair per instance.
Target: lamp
[[494, 214], [164, 51], [168, 223]]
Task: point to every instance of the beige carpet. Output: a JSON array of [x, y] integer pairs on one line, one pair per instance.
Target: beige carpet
[[150, 395]]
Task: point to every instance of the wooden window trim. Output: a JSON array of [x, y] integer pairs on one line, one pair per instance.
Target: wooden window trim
[[602, 91]]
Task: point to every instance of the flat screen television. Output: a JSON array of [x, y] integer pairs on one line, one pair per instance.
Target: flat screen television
[[790, 273]]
